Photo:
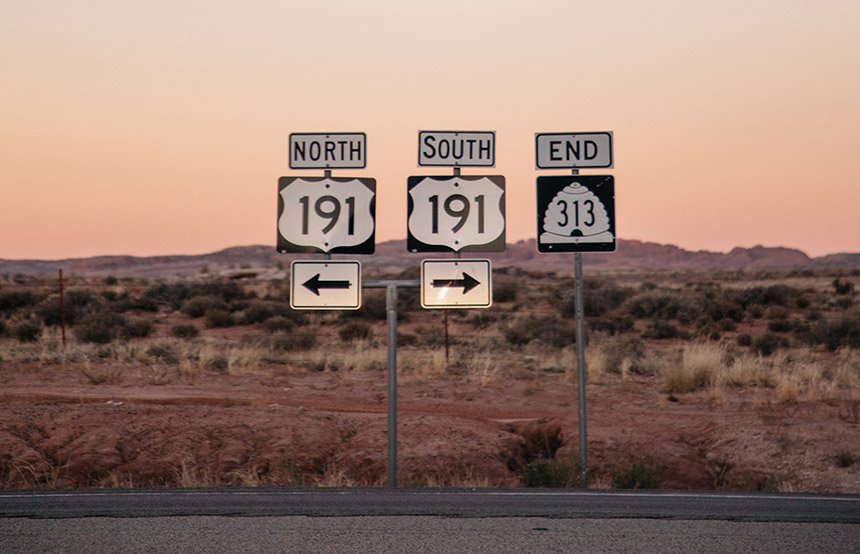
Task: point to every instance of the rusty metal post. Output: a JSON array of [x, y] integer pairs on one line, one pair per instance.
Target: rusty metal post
[[62, 310]]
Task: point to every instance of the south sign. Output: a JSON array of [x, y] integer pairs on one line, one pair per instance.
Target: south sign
[[457, 148]]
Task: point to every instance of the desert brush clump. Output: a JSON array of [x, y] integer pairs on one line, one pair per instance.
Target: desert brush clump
[[699, 365]]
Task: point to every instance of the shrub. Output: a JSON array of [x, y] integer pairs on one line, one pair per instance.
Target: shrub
[[769, 343], [163, 352], [774, 295], [618, 350], [727, 324], [780, 325], [612, 324], [660, 330], [548, 329], [2, 327], [833, 334], [258, 312], [554, 473], [184, 331], [100, 327], [199, 305], [278, 323], [136, 328], [482, 319], [744, 339], [27, 331], [663, 307], [175, 294], [79, 302], [299, 340], [218, 318], [506, 292], [598, 299], [12, 300], [842, 288], [373, 307], [406, 339], [641, 475], [354, 331], [725, 310]]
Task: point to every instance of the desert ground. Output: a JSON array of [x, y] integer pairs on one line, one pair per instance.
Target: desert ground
[[741, 380]]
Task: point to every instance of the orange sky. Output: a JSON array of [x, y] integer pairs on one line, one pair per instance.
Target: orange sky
[[161, 127]]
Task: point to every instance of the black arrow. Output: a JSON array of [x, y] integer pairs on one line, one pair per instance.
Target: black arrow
[[314, 284], [467, 282]]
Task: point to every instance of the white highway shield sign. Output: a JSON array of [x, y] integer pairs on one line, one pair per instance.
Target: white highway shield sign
[[573, 150], [325, 285], [328, 150], [462, 213], [457, 148], [576, 213], [326, 214], [456, 284]]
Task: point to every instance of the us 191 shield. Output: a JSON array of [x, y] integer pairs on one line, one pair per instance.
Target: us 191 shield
[[327, 214]]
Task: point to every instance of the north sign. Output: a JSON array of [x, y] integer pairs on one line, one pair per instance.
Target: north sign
[[573, 150], [328, 150], [576, 213], [456, 213], [457, 148], [326, 214], [456, 284], [325, 285]]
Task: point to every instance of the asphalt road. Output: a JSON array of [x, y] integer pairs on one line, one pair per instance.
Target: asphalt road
[[424, 520]]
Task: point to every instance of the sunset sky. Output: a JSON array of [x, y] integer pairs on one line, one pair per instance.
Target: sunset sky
[[156, 127]]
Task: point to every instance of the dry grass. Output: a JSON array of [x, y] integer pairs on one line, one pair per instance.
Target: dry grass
[[700, 363]]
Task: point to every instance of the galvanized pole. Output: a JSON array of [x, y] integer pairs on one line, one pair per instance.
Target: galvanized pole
[[580, 366], [391, 312], [580, 362]]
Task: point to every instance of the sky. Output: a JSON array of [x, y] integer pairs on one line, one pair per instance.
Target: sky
[[161, 127]]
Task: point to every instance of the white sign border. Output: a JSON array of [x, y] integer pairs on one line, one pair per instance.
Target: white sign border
[[459, 306], [293, 284]]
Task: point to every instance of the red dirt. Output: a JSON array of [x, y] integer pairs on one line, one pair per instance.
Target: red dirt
[[272, 427]]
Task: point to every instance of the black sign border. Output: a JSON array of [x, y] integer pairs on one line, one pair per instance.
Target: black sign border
[[286, 247], [491, 164], [497, 245], [550, 185], [611, 152], [290, 153]]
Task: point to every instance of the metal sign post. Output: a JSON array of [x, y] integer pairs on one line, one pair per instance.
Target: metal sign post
[[390, 287], [580, 362], [576, 215]]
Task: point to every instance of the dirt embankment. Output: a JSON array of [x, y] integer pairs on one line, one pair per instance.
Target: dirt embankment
[[270, 428]]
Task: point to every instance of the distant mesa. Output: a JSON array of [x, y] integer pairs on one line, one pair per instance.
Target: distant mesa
[[264, 262]]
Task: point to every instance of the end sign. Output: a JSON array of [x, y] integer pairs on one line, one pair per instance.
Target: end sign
[[573, 150]]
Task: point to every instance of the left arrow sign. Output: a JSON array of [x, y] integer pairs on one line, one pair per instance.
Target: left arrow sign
[[314, 284], [327, 285]]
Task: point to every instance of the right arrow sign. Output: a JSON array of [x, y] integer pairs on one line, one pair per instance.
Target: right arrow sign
[[456, 284], [576, 213]]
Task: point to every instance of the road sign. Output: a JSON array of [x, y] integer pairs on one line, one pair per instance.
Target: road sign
[[456, 284], [456, 213], [457, 148], [327, 214], [573, 150], [328, 150], [325, 285], [576, 213]]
